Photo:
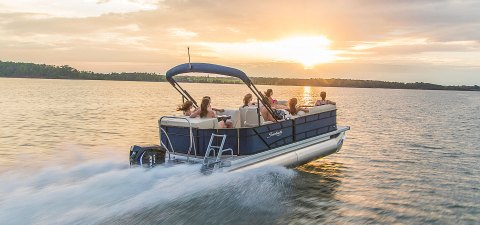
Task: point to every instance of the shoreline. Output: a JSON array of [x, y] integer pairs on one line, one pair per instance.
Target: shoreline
[[286, 85], [43, 71]]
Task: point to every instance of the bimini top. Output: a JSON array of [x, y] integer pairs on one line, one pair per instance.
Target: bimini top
[[206, 68]]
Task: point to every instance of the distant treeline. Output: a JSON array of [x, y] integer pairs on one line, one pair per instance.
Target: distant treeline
[[31, 70], [333, 82]]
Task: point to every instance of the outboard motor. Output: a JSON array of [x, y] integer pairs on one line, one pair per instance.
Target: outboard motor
[[147, 156]]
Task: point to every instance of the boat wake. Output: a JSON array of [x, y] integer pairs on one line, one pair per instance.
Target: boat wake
[[105, 191]]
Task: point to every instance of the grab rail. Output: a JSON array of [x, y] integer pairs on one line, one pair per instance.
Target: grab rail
[[169, 142], [192, 143]]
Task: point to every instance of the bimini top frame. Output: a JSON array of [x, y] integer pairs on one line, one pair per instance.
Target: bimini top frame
[[212, 69]]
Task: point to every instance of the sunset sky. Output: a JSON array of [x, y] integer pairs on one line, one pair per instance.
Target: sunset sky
[[434, 41]]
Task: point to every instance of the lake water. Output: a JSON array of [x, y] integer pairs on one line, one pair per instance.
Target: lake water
[[411, 157]]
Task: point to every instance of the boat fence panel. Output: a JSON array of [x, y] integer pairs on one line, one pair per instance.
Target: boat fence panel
[[180, 138], [258, 139], [316, 124], [277, 134], [250, 140], [204, 137], [247, 141]]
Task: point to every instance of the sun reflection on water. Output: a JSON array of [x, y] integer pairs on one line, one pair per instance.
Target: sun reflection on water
[[322, 167], [307, 96]]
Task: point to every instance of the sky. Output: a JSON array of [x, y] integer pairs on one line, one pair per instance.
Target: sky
[[436, 41]]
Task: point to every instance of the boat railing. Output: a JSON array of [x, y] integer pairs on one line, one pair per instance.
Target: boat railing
[[191, 138], [169, 142]]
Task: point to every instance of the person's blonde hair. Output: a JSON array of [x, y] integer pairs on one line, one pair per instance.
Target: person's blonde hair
[[292, 105]]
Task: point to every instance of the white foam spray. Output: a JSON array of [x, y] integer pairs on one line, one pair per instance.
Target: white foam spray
[[96, 191]]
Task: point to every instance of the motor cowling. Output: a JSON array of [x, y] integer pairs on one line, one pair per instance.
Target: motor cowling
[[147, 156]]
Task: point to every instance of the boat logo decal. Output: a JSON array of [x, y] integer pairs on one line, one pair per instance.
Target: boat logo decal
[[275, 133]]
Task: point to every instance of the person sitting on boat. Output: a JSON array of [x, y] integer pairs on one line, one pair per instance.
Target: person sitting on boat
[[247, 100], [267, 116], [186, 108], [293, 109], [269, 94], [206, 111], [273, 102], [324, 101], [215, 109]]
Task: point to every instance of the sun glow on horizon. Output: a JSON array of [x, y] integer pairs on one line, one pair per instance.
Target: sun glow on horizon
[[306, 50]]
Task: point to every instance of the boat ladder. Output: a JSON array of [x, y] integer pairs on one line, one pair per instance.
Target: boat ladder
[[216, 162]]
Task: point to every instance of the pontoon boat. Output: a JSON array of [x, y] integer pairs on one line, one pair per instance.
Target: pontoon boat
[[252, 142]]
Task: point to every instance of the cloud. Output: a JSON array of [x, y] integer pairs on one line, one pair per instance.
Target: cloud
[[181, 33], [134, 35], [86, 8], [418, 49]]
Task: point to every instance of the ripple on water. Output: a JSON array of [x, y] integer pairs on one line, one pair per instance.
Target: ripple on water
[[410, 158]]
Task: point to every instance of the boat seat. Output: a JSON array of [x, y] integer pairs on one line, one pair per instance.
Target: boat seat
[[299, 114], [312, 110], [235, 116], [320, 109], [251, 117], [202, 123], [242, 111]]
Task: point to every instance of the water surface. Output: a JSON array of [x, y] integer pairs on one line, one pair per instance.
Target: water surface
[[410, 158]]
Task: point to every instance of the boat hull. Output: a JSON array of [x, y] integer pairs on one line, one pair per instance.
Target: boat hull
[[291, 155]]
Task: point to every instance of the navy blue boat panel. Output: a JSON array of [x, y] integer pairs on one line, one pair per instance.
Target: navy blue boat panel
[[316, 124], [300, 136], [319, 116], [231, 141], [202, 139], [273, 135], [313, 125], [247, 141], [179, 137], [300, 120], [250, 142]]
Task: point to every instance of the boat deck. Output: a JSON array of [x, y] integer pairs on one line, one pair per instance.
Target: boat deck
[[181, 158]]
